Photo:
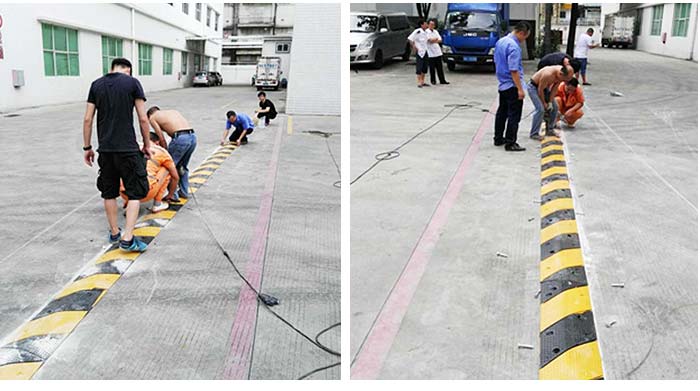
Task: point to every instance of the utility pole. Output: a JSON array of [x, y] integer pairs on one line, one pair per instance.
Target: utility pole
[[570, 41], [548, 10]]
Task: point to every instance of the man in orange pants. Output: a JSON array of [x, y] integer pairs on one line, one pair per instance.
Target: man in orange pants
[[570, 101], [162, 176]]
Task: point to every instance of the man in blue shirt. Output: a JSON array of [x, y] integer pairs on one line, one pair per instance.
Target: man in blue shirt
[[509, 71], [243, 127]]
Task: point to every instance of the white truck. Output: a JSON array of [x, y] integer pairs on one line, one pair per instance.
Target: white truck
[[268, 74], [618, 31]]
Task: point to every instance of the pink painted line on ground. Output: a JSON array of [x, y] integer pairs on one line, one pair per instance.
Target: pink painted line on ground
[[370, 358], [243, 330]]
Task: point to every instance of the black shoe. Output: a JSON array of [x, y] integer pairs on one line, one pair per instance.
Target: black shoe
[[514, 147], [444, 82], [498, 143], [586, 84], [432, 82], [244, 141]]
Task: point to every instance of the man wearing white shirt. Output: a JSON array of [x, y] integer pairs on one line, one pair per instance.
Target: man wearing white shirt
[[435, 53], [583, 44], [419, 42]]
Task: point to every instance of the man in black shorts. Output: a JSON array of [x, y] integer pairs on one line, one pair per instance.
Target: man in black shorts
[[267, 108], [114, 96]]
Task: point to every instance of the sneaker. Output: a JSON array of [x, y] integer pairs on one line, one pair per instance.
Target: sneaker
[[514, 147], [160, 207], [115, 238], [135, 245], [536, 137]]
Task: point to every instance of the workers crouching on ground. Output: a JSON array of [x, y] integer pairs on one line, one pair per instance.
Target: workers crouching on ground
[[547, 77], [267, 108], [162, 176], [114, 96], [570, 101], [183, 142], [559, 58], [511, 86], [243, 126]]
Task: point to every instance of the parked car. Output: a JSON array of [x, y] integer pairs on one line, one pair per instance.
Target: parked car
[[203, 78], [376, 37], [218, 79]]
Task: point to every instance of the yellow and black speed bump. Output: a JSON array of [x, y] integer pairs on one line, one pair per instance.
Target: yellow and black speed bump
[[568, 343], [23, 353]]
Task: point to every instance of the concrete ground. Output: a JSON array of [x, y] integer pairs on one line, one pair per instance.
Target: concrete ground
[[170, 316], [634, 168]]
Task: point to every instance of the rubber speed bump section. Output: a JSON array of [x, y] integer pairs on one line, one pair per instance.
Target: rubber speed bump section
[[26, 349], [568, 342]]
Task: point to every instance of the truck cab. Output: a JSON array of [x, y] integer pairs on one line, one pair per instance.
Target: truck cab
[[471, 32]]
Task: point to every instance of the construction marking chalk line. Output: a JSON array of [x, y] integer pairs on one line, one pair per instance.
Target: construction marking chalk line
[[24, 351], [369, 360], [568, 342], [646, 163], [43, 231], [238, 361]]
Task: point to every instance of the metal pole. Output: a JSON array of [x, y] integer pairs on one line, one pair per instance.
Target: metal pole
[[548, 9], [571, 40]]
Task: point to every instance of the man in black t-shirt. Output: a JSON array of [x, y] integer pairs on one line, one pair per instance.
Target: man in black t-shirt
[[267, 108], [114, 96], [558, 58]]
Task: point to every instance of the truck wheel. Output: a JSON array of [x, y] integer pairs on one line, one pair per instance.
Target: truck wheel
[[451, 66], [406, 53], [378, 60]]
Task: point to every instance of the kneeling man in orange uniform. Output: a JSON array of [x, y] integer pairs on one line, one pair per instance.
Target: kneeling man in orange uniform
[[570, 101], [162, 176]]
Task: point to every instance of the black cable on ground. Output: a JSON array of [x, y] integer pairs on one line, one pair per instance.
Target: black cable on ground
[[326, 135], [267, 301], [394, 153]]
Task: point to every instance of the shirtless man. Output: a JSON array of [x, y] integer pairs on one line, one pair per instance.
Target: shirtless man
[[546, 78], [182, 143]]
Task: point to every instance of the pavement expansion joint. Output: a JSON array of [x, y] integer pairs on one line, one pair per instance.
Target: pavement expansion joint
[[23, 352], [568, 341]]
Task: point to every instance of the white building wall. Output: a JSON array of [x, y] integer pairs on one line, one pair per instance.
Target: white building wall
[[161, 26], [679, 47], [314, 80]]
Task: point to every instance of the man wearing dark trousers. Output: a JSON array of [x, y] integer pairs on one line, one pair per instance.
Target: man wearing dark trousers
[[435, 53], [114, 96], [509, 72], [267, 108]]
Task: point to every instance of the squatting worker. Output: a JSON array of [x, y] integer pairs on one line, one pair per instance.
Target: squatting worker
[[583, 45], [547, 77], [183, 142], [570, 101], [114, 96], [557, 58], [162, 176], [243, 126], [435, 53], [511, 91], [419, 42], [267, 108]]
